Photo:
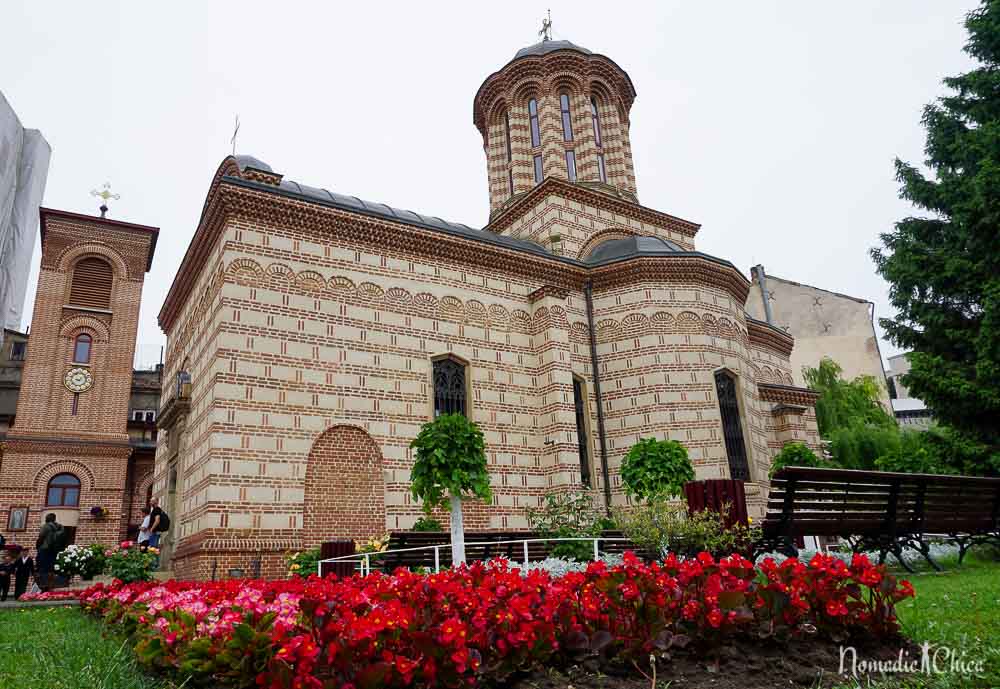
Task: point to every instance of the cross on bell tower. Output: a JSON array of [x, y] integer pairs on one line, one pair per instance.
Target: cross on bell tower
[[105, 195]]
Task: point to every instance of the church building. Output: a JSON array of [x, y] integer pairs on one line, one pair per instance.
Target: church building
[[311, 334]]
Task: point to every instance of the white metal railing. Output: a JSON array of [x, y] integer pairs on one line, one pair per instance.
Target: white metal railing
[[364, 559]]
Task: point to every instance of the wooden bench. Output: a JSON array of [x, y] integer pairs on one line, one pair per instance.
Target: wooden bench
[[880, 511], [479, 546]]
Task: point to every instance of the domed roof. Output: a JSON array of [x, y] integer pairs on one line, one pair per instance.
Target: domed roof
[[545, 47], [614, 249]]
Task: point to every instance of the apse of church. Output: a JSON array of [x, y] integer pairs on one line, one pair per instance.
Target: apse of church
[[311, 334]]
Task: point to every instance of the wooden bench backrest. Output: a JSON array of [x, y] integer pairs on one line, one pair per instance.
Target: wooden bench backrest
[[842, 502]]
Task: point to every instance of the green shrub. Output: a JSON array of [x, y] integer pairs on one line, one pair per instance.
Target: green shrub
[[797, 455], [568, 515], [427, 523], [303, 563], [659, 525], [655, 468], [131, 564]]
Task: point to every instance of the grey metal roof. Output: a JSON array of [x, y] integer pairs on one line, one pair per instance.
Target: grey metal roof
[[631, 246], [545, 47], [250, 162], [357, 205], [609, 252]]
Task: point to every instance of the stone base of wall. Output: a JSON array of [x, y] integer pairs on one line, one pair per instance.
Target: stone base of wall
[[215, 552], [206, 566]]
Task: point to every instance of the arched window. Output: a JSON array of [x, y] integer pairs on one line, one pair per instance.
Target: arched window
[[596, 118], [567, 122], [732, 426], [92, 281], [449, 387], [63, 491], [81, 348], [536, 138]]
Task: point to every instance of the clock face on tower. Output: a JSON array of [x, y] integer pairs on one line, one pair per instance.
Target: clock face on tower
[[78, 380]]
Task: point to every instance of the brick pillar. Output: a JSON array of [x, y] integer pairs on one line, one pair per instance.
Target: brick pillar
[[556, 414]]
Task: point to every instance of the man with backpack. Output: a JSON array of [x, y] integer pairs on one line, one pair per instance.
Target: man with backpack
[[51, 540], [159, 522]]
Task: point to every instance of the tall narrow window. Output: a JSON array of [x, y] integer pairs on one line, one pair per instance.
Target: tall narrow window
[[581, 431], [510, 149], [732, 428], [91, 286], [595, 116], [63, 491], [536, 138], [538, 169], [81, 349], [449, 387], [567, 122], [571, 166], [596, 119], [75, 406], [510, 154]]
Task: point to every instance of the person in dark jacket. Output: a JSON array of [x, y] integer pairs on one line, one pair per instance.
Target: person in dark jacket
[[47, 546], [6, 572], [24, 569]]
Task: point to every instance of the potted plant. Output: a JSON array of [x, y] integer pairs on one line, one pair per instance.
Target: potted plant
[[98, 512]]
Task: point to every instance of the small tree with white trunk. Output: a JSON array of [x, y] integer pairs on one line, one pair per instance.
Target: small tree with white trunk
[[450, 464]]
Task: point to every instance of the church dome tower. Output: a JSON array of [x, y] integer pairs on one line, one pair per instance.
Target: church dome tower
[[556, 110]]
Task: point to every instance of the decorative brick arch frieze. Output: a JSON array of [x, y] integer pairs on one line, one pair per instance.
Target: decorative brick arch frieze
[[344, 487], [64, 466], [599, 238], [70, 256], [92, 325]]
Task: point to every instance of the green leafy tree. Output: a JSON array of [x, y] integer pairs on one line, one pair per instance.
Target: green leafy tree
[[450, 464], [912, 455], [797, 455], [943, 267], [845, 403], [654, 468]]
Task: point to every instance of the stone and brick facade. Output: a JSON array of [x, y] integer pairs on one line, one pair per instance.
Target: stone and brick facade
[[304, 328], [75, 386]]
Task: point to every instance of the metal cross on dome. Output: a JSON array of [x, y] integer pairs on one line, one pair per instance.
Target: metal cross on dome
[[105, 195], [546, 32]]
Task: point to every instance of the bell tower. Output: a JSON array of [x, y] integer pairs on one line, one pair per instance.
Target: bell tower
[[68, 450], [556, 110], [555, 127]]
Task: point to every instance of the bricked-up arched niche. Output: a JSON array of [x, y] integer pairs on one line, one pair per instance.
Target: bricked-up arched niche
[[345, 489]]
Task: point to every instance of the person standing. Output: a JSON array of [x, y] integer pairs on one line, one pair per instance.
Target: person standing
[[24, 568], [144, 532], [6, 571], [48, 545], [159, 522]]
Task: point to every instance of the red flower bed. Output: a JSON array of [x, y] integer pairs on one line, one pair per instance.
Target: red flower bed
[[485, 621]]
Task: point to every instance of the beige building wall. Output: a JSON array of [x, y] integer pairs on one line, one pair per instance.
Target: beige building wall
[[824, 324]]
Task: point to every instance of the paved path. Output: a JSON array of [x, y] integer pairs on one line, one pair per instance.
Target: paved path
[[11, 604]]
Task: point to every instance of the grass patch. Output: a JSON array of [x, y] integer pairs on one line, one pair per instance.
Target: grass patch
[[958, 608], [61, 648]]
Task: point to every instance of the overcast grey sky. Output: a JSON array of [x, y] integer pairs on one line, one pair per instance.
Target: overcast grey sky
[[773, 124]]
